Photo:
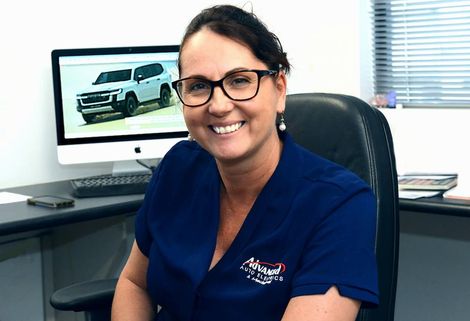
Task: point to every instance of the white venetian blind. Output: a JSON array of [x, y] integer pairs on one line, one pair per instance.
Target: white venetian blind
[[422, 51]]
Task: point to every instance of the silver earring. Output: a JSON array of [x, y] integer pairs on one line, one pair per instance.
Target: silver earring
[[190, 138], [282, 125]]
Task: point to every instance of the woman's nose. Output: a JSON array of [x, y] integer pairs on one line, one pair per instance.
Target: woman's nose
[[220, 104]]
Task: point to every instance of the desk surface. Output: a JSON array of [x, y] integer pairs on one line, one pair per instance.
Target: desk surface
[[437, 205], [20, 217]]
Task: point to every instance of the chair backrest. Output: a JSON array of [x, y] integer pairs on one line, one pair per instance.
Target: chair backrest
[[348, 131]]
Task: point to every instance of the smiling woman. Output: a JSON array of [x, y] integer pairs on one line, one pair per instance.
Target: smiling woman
[[254, 108], [242, 223]]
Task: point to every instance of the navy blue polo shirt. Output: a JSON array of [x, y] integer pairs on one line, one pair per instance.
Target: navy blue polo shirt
[[311, 227]]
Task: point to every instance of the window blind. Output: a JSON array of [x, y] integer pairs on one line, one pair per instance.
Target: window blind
[[422, 51]]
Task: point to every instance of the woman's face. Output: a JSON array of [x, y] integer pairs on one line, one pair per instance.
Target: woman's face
[[231, 130]]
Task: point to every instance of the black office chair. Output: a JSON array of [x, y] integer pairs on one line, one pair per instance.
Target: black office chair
[[345, 130], [349, 132]]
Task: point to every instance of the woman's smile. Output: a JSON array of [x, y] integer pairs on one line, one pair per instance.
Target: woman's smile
[[227, 129]]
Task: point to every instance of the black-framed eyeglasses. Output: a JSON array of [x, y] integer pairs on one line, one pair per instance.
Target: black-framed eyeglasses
[[239, 86]]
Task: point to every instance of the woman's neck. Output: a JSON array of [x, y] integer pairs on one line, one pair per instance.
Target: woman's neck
[[244, 180]]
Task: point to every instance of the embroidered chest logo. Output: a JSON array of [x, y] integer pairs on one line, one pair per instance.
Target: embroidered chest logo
[[263, 272]]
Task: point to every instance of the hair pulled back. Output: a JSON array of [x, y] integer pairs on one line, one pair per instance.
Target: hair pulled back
[[243, 27]]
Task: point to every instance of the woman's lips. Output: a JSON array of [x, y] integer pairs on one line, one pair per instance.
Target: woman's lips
[[228, 128]]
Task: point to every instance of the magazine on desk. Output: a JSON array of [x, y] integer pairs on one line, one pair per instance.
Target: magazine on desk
[[427, 182]]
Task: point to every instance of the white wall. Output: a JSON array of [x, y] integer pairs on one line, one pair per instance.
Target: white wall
[[328, 46], [433, 140]]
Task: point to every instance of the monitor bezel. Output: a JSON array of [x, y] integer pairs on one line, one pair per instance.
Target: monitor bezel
[[56, 54]]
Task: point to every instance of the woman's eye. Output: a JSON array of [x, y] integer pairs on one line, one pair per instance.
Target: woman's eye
[[239, 81], [198, 87]]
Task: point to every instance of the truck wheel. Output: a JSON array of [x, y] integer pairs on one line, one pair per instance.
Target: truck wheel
[[164, 98], [88, 118], [131, 107]]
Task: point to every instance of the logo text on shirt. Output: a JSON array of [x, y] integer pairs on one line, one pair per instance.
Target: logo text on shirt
[[263, 272]]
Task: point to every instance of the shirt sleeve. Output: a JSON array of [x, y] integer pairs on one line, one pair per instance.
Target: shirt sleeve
[[143, 236], [341, 253]]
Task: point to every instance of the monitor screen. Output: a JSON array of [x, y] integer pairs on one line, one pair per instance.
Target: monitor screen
[[116, 104]]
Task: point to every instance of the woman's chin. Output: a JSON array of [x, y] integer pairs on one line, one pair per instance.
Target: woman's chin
[[227, 156]]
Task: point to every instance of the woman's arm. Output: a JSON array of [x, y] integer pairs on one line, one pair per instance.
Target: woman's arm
[[330, 306], [131, 301]]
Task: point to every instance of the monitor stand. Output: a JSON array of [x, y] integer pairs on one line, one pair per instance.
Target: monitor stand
[[132, 167]]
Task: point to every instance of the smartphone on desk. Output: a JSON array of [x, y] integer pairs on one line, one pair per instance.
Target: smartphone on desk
[[51, 201]]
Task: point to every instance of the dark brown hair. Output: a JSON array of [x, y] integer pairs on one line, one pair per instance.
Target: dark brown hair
[[243, 27]]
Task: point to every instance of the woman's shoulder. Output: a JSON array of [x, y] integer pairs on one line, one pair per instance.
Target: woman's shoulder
[[319, 171], [186, 148], [324, 186], [184, 153], [185, 161], [185, 168]]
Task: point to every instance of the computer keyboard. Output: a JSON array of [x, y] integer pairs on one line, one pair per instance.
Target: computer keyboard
[[109, 185]]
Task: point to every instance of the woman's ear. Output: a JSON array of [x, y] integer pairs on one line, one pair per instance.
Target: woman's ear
[[281, 88]]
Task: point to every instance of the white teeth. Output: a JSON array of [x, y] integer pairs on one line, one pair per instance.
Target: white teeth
[[227, 129]]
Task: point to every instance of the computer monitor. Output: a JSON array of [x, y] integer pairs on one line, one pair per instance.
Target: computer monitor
[[115, 104]]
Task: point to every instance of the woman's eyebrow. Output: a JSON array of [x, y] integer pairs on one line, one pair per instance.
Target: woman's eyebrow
[[231, 71]]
